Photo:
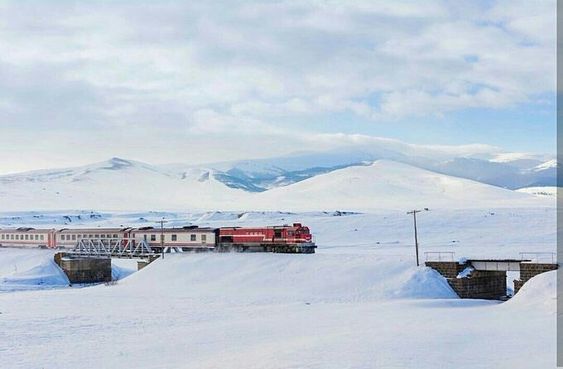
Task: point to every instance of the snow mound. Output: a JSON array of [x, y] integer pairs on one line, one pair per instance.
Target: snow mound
[[281, 278], [119, 272], [24, 269], [425, 284], [217, 215], [47, 274], [540, 291]]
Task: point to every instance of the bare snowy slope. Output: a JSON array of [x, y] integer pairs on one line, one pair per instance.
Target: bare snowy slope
[[113, 185], [388, 184], [120, 184]]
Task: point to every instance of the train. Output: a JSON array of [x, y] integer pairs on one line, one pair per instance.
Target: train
[[295, 238]]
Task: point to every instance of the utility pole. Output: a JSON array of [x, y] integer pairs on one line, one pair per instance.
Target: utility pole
[[414, 212], [162, 235]]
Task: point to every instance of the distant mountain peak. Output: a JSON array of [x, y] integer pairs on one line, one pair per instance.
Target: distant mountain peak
[[119, 163]]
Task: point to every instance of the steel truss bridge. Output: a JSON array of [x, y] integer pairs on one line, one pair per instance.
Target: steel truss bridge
[[112, 248]]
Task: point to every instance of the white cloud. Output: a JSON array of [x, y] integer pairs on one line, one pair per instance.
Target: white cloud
[[247, 68]]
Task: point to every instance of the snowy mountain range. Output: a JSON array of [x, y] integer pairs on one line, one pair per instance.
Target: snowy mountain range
[[389, 175], [481, 163]]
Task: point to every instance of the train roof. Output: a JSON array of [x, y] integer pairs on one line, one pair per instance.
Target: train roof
[[190, 229], [285, 226], [25, 229], [94, 230]]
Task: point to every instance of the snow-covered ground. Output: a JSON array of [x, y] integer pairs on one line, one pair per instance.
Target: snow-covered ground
[[359, 302], [548, 191]]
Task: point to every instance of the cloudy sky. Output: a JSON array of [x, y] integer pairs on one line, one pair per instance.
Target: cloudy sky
[[170, 81]]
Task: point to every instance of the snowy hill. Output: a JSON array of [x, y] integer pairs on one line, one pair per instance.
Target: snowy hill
[[119, 184], [388, 184], [482, 163], [113, 185]]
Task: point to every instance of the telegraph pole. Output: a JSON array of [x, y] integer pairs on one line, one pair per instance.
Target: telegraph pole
[[414, 212], [162, 235]]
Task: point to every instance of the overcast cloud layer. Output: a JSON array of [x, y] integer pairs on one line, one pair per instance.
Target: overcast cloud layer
[[167, 81]]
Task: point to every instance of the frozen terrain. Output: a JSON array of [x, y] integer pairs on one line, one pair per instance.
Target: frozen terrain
[[540, 191], [128, 185], [359, 302]]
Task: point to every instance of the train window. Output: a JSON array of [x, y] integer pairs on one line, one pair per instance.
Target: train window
[[26, 237], [36, 237], [12, 237], [96, 236], [115, 236], [103, 236], [2, 236], [153, 237], [192, 237], [174, 237], [203, 238], [41, 237], [74, 237]]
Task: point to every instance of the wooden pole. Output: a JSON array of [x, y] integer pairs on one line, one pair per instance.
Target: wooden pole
[[413, 212], [415, 238]]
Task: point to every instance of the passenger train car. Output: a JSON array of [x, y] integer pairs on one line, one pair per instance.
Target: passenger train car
[[287, 239], [67, 237], [186, 238], [27, 237]]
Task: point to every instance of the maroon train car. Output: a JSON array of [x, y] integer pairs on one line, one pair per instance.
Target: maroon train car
[[287, 239]]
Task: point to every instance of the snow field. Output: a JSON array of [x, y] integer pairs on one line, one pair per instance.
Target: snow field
[[360, 302]]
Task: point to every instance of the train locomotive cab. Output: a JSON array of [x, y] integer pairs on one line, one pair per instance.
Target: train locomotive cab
[[302, 234]]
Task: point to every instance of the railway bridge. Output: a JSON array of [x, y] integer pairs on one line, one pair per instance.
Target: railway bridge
[[90, 259], [486, 278]]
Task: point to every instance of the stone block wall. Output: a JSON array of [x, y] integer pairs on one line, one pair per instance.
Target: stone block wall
[[489, 285], [86, 270], [449, 269]]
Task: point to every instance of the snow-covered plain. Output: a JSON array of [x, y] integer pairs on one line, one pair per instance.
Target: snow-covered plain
[[359, 302]]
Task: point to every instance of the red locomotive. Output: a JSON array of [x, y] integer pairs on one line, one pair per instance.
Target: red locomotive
[[287, 239]]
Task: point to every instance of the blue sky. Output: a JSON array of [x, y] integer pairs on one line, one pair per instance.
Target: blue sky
[[522, 128], [211, 81]]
